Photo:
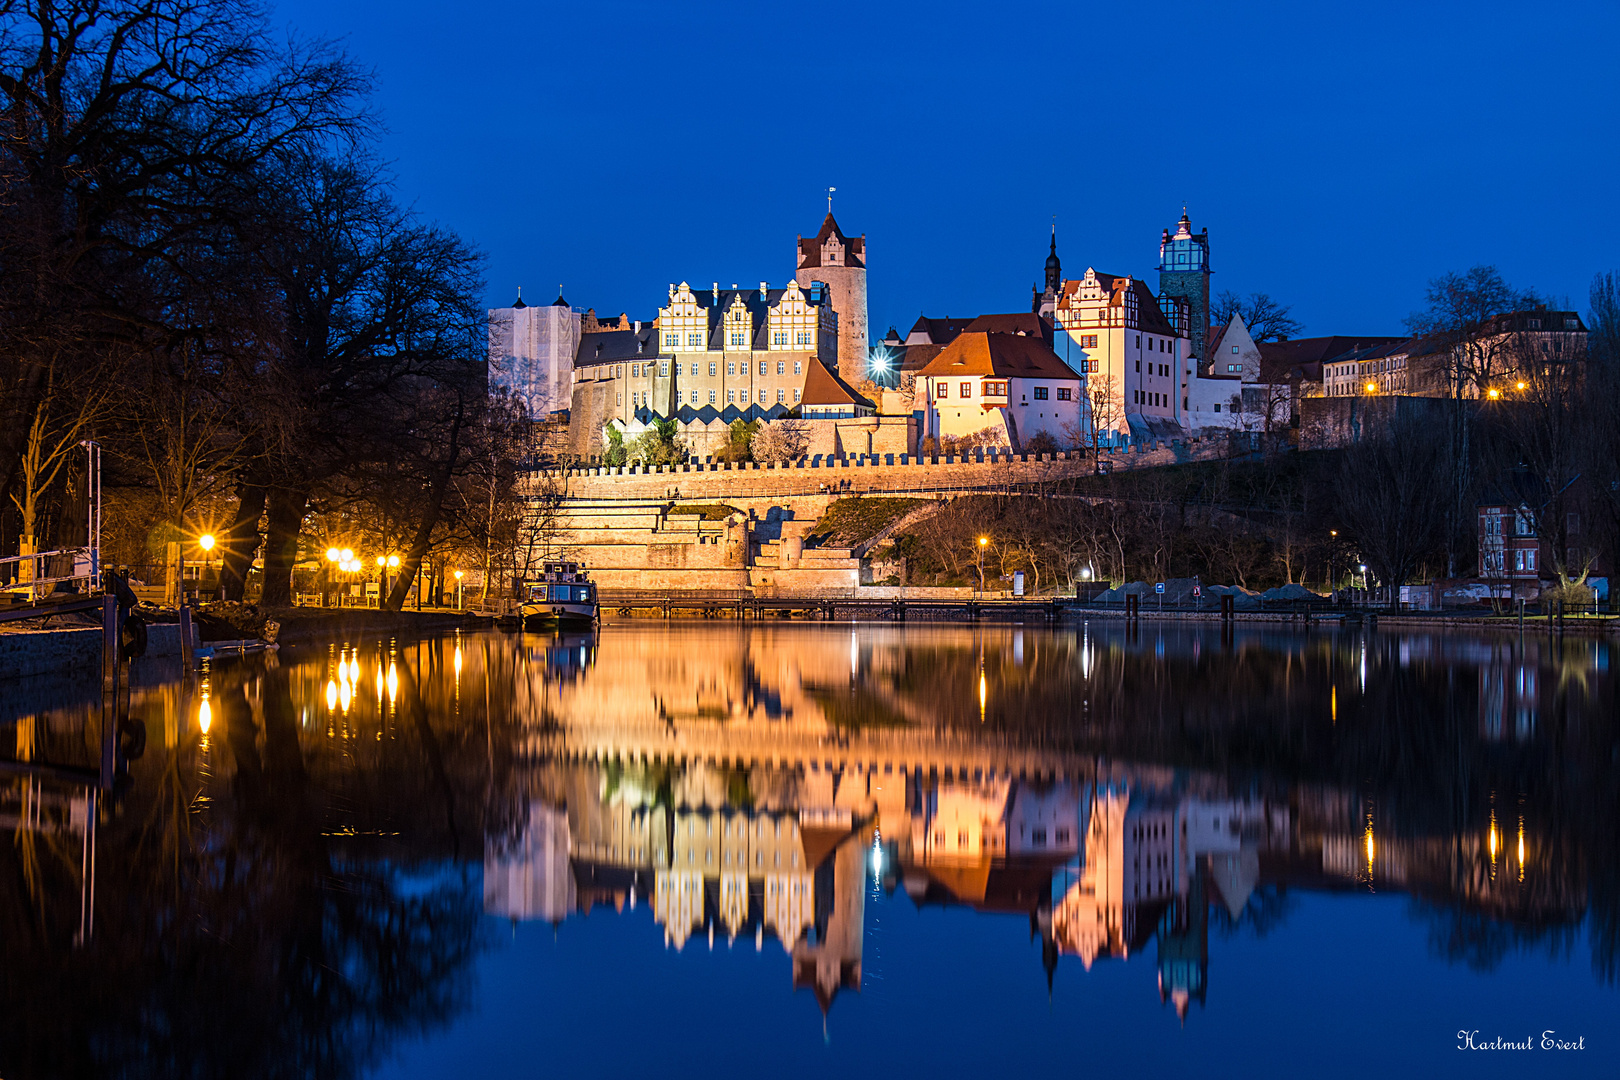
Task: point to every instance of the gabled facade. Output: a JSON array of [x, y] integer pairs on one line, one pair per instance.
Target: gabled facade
[[1111, 331], [713, 356]]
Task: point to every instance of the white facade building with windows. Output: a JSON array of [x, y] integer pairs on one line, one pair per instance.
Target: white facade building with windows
[[1002, 388]]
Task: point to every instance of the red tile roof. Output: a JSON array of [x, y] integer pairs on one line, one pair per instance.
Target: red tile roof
[[1025, 323], [1007, 356], [810, 249], [822, 387]]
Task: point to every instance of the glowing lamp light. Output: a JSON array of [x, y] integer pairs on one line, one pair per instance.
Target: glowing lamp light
[[1519, 385], [344, 695], [333, 555], [983, 541], [331, 694], [206, 541], [1372, 388], [205, 720], [348, 554], [458, 575], [1494, 393], [393, 562], [381, 561]]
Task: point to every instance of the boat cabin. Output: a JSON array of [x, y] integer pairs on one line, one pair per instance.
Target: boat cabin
[[561, 582]]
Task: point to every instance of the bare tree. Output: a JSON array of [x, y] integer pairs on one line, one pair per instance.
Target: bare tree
[[1546, 421], [1097, 424], [1461, 316], [1266, 319], [66, 409], [1387, 500], [781, 441]]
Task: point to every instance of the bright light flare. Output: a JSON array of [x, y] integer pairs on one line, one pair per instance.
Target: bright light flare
[[205, 720], [206, 541], [331, 694]]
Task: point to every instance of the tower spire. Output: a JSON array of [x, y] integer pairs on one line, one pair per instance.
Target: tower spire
[[829, 198]]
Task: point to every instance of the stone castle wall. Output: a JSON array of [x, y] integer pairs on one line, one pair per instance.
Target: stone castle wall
[[874, 474]]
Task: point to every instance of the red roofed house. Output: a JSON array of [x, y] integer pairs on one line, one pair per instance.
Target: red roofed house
[[1007, 387]]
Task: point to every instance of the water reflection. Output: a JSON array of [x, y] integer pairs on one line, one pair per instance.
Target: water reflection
[[326, 831]]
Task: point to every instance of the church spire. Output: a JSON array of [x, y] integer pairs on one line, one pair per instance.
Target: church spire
[[1054, 266]]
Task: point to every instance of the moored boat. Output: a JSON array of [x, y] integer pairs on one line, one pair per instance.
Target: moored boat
[[562, 596]]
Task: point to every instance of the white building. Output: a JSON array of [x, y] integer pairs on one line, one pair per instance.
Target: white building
[[531, 354], [1112, 330], [1004, 387]]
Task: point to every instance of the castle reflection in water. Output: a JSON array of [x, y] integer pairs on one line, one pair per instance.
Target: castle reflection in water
[[755, 787], [1146, 799]]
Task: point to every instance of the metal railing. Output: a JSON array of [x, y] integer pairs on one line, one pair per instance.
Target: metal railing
[[39, 572]]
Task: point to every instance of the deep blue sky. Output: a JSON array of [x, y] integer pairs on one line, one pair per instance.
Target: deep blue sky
[[1341, 155]]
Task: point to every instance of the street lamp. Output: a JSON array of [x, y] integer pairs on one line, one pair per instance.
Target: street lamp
[[458, 590], [983, 543], [1520, 385], [1493, 393], [332, 557], [206, 542]]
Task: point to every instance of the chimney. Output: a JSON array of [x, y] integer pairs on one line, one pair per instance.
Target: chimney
[[717, 294], [638, 326], [764, 292]]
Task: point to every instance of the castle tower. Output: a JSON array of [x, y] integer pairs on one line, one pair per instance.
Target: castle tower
[[840, 261], [1184, 275]]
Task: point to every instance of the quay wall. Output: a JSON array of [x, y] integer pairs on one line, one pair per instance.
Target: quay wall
[[49, 652], [25, 653]]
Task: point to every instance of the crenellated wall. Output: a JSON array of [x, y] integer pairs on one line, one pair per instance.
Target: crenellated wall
[[875, 474]]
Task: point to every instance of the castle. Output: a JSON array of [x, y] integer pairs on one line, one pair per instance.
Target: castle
[[712, 356]]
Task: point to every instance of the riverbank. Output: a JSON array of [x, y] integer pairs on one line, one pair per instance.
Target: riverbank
[[233, 622]]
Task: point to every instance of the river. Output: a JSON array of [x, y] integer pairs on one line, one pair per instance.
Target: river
[[698, 847]]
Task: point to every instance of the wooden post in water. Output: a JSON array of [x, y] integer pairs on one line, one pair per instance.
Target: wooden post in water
[[110, 648], [185, 636]]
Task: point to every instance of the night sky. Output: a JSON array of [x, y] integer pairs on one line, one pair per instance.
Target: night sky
[[1340, 155]]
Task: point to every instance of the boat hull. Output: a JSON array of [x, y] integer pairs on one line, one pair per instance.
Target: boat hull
[[558, 613]]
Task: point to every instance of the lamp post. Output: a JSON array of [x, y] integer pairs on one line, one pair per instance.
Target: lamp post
[[983, 543], [458, 590], [206, 542], [332, 556]]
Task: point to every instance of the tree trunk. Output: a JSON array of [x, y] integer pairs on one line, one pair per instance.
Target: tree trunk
[[412, 563], [286, 519], [240, 541]]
